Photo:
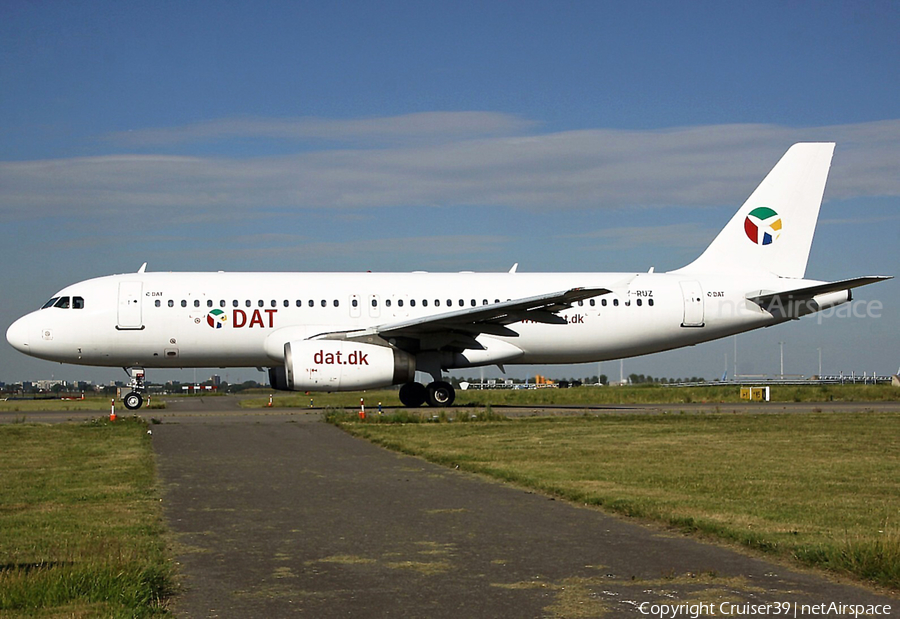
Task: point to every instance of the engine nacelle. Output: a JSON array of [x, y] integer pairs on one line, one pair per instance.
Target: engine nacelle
[[341, 365], [278, 378]]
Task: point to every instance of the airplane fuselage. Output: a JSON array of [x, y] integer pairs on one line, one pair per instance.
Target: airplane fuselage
[[182, 320]]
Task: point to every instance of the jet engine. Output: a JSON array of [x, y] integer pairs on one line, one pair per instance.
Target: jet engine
[[341, 365]]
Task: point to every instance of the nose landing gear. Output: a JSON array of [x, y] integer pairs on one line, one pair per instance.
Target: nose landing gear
[[133, 400]]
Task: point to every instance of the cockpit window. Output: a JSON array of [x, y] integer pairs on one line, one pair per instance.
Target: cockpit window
[[63, 303], [78, 302], [50, 303]]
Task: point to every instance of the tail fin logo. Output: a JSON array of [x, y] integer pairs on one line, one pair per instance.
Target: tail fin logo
[[763, 226]]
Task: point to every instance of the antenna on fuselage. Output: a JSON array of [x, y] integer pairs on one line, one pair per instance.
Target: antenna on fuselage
[[143, 268]]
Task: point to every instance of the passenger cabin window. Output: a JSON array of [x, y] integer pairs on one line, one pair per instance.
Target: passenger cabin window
[[196, 302], [157, 303], [171, 303], [63, 303], [183, 303], [209, 303]]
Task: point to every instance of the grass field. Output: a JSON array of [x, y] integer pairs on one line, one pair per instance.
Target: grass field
[[101, 404], [821, 488], [88, 404], [592, 396], [80, 521]]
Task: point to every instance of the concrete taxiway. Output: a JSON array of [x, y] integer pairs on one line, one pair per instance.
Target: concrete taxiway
[[276, 514]]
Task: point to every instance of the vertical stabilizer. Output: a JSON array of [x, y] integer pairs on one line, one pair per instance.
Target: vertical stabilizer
[[773, 231]]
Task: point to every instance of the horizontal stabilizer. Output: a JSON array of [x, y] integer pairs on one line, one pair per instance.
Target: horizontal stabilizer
[[799, 294]]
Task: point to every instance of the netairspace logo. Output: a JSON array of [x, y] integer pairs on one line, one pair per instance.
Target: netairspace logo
[[216, 318], [763, 225]]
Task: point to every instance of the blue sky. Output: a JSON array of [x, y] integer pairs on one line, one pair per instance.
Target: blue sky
[[566, 136]]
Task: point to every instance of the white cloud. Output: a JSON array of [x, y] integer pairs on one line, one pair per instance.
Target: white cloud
[[710, 165], [682, 235], [409, 127], [285, 251]]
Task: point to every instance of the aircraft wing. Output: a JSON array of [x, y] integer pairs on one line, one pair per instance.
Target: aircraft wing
[[457, 330], [800, 294], [492, 319]]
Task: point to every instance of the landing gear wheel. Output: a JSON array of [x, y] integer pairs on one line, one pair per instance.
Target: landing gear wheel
[[413, 394], [133, 400], [440, 393]]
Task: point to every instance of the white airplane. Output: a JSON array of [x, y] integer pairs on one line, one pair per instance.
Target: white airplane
[[352, 331]]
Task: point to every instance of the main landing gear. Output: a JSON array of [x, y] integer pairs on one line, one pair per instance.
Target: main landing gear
[[133, 400], [438, 393]]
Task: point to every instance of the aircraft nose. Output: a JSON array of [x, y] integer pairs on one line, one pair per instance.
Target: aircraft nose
[[18, 335]]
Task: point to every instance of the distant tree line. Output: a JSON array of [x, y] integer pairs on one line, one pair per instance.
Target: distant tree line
[[640, 379], [603, 379]]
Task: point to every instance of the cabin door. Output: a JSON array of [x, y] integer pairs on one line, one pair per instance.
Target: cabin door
[[129, 314], [693, 304]]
